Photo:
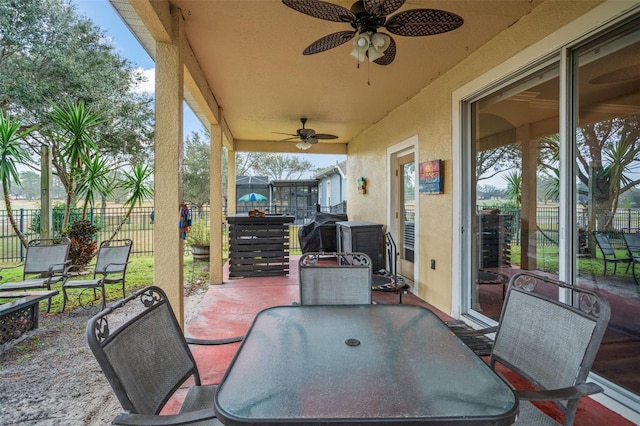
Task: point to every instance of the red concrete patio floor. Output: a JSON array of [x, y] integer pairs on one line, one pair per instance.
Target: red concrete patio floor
[[228, 310]]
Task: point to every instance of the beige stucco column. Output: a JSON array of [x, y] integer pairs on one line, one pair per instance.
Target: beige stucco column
[[231, 182], [528, 218], [168, 255], [215, 197]]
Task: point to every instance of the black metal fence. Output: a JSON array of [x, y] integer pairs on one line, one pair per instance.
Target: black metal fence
[[548, 223], [138, 226]]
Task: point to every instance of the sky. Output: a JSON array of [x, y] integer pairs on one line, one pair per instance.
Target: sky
[[103, 15]]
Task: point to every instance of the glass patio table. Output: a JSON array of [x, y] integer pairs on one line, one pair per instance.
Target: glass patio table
[[359, 364]]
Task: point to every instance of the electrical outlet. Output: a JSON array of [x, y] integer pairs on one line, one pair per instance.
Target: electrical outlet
[[433, 264]]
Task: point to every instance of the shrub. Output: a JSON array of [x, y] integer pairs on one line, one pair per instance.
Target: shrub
[[82, 235]]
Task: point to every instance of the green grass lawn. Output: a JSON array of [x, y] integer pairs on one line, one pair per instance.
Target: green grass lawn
[[139, 274]]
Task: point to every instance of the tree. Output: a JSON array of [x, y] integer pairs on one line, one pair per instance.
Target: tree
[[50, 54], [75, 121], [137, 185], [196, 166], [11, 153], [275, 166], [608, 153], [514, 187], [95, 180], [30, 185]]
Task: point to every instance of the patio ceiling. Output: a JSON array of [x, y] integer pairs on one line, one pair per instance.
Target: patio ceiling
[[250, 54]]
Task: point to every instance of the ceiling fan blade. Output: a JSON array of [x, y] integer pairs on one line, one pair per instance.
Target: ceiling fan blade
[[423, 22], [382, 7], [311, 140], [329, 42], [306, 133], [325, 136], [280, 133], [321, 10], [290, 139], [389, 54]]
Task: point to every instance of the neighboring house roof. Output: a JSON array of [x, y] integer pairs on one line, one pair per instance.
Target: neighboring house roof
[[256, 180], [340, 168]]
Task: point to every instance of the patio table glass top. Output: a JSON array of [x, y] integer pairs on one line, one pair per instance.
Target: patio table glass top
[[361, 364]]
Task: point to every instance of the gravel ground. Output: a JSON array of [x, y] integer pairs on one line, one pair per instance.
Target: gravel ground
[[50, 377]]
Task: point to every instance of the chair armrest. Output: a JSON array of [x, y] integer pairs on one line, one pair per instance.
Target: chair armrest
[[64, 268], [479, 332], [573, 392], [10, 267], [194, 341], [67, 270], [104, 269], [173, 419]]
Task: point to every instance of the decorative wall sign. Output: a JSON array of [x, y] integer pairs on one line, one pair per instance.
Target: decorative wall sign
[[430, 175], [362, 185]]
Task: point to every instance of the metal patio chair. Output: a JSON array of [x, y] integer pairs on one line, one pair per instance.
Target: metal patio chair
[[44, 264], [347, 281], [632, 241], [110, 268], [608, 253], [550, 343], [146, 359]]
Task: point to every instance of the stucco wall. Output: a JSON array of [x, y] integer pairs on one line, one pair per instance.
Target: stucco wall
[[428, 115]]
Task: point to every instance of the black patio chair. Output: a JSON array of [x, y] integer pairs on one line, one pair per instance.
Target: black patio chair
[[347, 281], [550, 343], [632, 241], [110, 268], [609, 254], [146, 359], [44, 264]]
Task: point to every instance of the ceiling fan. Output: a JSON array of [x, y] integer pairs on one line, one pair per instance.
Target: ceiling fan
[[366, 17], [307, 136]]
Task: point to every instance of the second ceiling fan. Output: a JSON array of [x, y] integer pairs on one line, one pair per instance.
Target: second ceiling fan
[[307, 136], [366, 17]]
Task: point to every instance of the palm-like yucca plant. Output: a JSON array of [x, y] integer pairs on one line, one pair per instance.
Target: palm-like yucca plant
[[137, 185], [514, 187], [11, 153], [75, 121], [95, 180]]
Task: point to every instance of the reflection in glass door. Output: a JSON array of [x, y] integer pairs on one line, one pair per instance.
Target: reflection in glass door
[[407, 214], [516, 201], [607, 184]]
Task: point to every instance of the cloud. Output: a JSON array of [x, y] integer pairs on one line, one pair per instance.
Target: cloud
[[149, 85]]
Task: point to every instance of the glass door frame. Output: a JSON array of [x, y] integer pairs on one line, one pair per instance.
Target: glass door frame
[[408, 146], [615, 397]]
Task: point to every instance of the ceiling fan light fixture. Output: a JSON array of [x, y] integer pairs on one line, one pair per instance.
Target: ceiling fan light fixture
[[379, 43], [360, 46], [303, 145]]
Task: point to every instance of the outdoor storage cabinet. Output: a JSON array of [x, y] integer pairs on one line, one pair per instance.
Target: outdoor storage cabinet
[[258, 246], [495, 240], [364, 237]]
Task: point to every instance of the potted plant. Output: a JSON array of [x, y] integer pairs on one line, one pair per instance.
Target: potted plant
[[199, 239]]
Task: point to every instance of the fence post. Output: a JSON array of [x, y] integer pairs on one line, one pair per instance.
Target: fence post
[[22, 230]]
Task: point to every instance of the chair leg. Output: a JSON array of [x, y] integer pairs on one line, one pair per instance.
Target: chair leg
[[104, 297], [64, 299], [633, 271]]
